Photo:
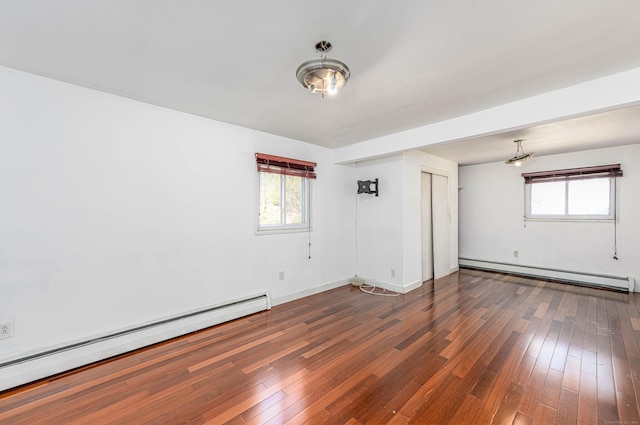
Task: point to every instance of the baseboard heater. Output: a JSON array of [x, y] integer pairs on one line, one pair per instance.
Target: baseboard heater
[[618, 283], [54, 360]]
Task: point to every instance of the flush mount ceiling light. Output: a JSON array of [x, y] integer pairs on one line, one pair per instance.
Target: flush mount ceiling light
[[520, 156], [323, 75]]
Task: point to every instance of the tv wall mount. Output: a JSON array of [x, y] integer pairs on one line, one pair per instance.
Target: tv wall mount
[[368, 186]]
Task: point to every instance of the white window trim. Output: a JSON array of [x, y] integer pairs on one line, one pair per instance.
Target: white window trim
[[280, 229], [613, 207]]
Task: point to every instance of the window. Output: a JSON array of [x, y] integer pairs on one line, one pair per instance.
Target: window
[[284, 193], [283, 201], [572, 194]]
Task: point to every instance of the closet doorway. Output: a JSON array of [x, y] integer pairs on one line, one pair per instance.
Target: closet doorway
[[436, 226]]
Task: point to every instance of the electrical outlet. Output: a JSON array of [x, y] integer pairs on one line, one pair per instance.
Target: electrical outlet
[[516, 254], [6, 330], [281, 275], [393, 272]]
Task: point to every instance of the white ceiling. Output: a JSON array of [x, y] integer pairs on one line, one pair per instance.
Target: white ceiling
[[412, 63], [612, 128]]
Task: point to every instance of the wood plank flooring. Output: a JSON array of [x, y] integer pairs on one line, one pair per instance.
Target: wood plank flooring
[[472, 348]]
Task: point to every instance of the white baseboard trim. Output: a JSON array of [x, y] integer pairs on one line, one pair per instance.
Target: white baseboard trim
[[619, 283], [50, 361], [413, 285], [310, 291], [385, 285], [392, 286]]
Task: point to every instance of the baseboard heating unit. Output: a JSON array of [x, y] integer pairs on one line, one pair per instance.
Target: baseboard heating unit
[[618, 283], [54, 360]]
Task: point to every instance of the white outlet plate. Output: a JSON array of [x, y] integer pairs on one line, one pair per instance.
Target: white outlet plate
[[516, 254], [281, 275], [6, 330]]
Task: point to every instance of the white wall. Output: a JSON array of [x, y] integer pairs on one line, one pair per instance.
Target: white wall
[[492, 226], [115, 213], [380, 238], [389, 226]]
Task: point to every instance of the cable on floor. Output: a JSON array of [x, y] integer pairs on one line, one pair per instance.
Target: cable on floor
[[371, 289]]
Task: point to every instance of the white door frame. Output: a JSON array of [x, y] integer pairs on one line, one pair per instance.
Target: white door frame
[[446, 174]]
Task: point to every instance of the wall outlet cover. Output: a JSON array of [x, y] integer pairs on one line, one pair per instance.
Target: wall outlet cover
[[6, 330]]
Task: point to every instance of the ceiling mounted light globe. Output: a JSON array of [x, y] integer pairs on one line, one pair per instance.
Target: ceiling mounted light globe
[[323, 75]]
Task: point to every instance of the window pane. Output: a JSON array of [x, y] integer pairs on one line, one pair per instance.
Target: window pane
[[270, 198], [548, 198], [294, 200], [589, 197]]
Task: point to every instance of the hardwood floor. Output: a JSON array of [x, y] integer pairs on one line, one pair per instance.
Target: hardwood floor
[[473, 348]]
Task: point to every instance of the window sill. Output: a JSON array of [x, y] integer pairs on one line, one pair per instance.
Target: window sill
[[570, 220], [262, 232]]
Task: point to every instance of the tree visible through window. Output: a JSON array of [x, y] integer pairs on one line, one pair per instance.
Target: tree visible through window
[[284, 192], [283, 201]]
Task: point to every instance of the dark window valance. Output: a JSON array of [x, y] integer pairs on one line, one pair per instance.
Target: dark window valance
[[288, 166], [612, 170]]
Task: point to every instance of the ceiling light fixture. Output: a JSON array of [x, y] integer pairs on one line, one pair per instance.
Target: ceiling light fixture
[[520, 156], [323, 75]]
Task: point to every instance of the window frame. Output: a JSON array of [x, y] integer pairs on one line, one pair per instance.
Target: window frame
[[572, 217], [611, 172], [283, 227], [285, 167]]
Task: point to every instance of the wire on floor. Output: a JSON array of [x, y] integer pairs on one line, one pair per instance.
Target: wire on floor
[[371, 289]]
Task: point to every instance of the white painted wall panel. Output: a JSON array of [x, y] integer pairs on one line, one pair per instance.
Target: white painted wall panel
[[115, 212], [389, 226]]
